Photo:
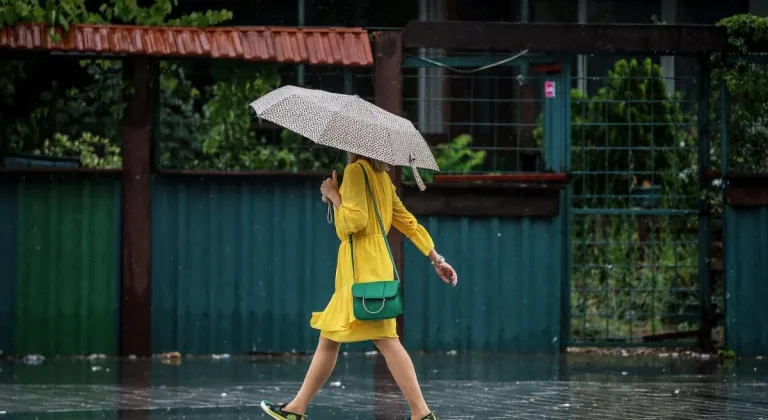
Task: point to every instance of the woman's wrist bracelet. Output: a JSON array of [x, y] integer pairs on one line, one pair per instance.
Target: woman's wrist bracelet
[[439, 260]]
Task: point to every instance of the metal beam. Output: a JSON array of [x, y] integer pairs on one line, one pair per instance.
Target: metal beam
[[567, 38]]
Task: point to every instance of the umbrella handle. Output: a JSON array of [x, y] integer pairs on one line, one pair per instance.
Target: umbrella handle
[[416, 175]]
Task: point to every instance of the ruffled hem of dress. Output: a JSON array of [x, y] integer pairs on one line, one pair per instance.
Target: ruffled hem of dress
[[319, 322], [337, 316], [333, 336]]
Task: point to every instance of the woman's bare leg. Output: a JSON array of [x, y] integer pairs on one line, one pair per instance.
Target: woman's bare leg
[[401, 366], [319, 371]]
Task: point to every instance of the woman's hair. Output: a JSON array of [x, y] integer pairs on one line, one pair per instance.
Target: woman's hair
[[378, 165]]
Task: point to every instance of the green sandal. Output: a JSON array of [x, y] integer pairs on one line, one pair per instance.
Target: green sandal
[[276, 412], [430, 416]]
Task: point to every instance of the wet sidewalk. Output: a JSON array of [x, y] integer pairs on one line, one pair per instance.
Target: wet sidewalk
[[456, 386]]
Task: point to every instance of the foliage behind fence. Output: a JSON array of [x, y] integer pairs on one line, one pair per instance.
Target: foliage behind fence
[[635, 182]]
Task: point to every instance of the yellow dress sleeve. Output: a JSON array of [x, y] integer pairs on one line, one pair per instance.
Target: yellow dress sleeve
[[406, 223], [352, 215]]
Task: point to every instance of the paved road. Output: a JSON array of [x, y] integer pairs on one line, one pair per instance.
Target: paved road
[[469, 387]]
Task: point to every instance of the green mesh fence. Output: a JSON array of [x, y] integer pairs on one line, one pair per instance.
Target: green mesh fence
[[635, 244]]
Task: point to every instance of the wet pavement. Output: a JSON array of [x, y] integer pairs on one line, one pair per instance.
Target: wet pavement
[[456, 386]]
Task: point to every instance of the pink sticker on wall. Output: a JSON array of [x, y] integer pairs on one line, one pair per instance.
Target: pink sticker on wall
[[549, 89]]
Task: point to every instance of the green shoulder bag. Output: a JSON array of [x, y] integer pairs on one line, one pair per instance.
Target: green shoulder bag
[[376, 300]]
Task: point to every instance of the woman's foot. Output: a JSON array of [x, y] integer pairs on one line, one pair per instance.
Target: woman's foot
[[277, 412], [430, 416]]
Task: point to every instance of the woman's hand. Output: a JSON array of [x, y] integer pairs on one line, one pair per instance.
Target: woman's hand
[[443, 269], [447, 273], [330, 190]]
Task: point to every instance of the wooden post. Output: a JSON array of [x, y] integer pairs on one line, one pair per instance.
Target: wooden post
[[389, 96], [135, 308]]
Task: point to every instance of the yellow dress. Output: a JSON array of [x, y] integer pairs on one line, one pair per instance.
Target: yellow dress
[[356, 216]]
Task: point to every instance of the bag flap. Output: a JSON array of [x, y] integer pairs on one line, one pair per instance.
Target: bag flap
[[376, 289]]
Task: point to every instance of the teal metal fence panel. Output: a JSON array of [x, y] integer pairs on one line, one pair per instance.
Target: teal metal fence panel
[[8, 269], [68, 265], [239, 264], [59, 264], [509, 293], [746, 265]]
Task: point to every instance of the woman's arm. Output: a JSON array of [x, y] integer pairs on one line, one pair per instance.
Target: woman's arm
[[406, 223], [352, 207]]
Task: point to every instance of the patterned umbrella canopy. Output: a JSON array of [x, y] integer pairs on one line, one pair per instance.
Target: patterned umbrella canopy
[[349, 123]]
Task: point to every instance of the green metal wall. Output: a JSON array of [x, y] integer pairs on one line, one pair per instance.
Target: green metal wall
[[63, 272], [746, 271], [509, 293], [239, 264]]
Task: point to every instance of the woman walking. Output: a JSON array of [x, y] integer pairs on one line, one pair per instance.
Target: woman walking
[[366, 203]]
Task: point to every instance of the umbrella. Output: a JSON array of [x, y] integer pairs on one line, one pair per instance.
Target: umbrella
[[349, 123]]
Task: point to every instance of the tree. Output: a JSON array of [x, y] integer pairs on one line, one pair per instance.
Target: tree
[[747, 99], [632, 133], [82, 100], [205, 122]]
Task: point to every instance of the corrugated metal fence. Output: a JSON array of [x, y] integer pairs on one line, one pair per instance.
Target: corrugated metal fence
[[59, 264], [238, 264], [509, 293], [746, 265]]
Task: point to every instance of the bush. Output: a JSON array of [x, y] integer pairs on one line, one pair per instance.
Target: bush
[[456, 156], [620, 282], [635, 128], [93, 151]]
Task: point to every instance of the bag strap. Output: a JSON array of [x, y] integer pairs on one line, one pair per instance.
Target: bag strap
[[381, 226]]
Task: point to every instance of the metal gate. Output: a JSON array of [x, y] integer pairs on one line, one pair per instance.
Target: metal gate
[[635, 219], [480, 109]]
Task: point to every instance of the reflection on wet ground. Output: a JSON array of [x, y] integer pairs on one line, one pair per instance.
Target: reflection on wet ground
[[456, 386]]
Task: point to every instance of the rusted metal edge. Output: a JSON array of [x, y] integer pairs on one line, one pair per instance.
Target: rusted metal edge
[[254, 174], [484, 200], [747, 178], [747, 194], [502, 178], [737, 177], [476, 186], [58, 171]]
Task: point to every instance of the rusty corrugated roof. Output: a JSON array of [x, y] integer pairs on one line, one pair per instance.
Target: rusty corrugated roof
[[319, 46]]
